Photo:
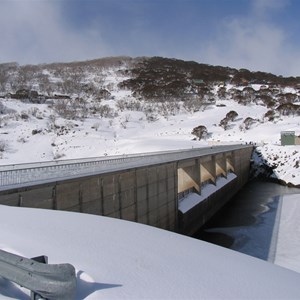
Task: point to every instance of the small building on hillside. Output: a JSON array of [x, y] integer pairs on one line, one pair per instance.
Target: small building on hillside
[[198, 81], [290, 137]]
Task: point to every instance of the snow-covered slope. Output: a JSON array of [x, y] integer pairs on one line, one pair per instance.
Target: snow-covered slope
[[98, 114]]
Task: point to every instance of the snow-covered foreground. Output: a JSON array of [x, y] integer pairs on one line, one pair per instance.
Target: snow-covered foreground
[[116, 259]]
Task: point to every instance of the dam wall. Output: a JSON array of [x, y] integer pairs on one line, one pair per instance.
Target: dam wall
[[149, 194]]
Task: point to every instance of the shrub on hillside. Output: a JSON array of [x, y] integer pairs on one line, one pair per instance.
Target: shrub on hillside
[[288, 109], [232, 115], [200, 131], [270, 115], [248, 122]]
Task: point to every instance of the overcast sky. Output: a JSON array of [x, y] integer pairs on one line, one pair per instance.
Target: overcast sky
[[255, 34]]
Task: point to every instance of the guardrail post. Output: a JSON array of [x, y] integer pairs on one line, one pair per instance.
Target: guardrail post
[[44, 260]]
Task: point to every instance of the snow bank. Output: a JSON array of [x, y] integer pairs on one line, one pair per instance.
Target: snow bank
[[115, 259]]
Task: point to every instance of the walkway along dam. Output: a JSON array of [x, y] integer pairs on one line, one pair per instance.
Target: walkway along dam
[[173, 190]]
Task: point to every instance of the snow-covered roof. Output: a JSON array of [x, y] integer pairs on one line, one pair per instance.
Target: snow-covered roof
[[295, 130]]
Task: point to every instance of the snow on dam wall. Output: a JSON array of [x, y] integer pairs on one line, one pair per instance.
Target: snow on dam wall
[[158, 194], [207, 183]]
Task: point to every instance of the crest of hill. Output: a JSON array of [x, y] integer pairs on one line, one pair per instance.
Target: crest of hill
[[149, 68]]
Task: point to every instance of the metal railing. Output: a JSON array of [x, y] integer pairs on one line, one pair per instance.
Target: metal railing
[[37, 172], [57, 282], [22, 174]]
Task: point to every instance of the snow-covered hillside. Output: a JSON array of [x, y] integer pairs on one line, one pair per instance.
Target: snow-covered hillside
[[66, 111]]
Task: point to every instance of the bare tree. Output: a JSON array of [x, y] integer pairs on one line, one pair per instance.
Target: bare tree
[[25, 77], [64, 109], [105, 111]]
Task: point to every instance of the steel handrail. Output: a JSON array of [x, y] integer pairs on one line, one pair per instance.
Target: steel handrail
[[46, 171]]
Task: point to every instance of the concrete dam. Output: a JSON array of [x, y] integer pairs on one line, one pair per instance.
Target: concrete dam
[[173, 190]]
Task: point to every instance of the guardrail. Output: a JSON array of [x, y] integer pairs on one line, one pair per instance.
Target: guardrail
[[51, 282], [20, 174], [36, 172]]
